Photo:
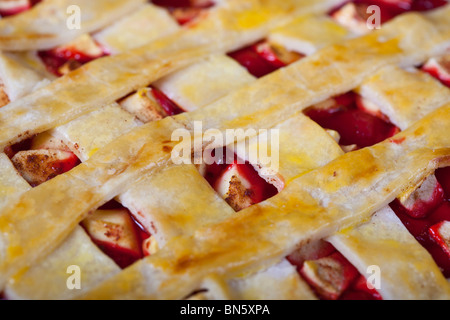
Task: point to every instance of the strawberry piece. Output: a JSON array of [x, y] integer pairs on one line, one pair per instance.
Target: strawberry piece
[[38, 166], [329, 276], [440, 232], [424, 199], [115, 232]]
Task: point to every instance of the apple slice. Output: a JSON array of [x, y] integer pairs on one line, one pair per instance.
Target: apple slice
[[64, 59], [313, 250], [46, 141], [144, 106], [116, 234], [329, 276], [12, 7], [439, 68], [83, 47], [440, 232], [424, 199], [38, 166], [234, 188]]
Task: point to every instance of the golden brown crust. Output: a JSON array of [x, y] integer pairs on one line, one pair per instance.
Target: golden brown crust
[[4, 99], [105, 80], [314, 206], [46, 25]]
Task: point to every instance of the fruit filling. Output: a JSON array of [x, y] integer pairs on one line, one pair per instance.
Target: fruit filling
[[439, 67], [63, 59], [358, 122], [330, 274], [13, 7], [426, 214], [114, 230], [237, 181], [150, 104], [41, 158], [263, 58], [185, 11]]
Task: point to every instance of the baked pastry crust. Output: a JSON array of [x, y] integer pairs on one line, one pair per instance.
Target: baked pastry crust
[[34, 30], [325, 194]]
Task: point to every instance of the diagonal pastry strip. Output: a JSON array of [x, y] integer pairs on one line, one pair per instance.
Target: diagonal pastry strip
[[231, 25], [341, 194], [46, 25], [109, 171]]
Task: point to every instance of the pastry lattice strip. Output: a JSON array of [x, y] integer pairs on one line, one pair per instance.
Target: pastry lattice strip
[[93, 119], [105, 80]]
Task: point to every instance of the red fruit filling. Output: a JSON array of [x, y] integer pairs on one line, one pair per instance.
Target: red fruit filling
[[185, 11], [20, 6], [170, 107], [42, 161], [330, 274], [434, 72], [55, 60], [425, 226], [439, 68], [115, 231], [263, 58], [237, 182], [355, 126]]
